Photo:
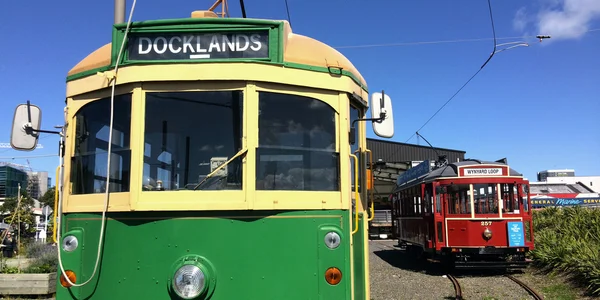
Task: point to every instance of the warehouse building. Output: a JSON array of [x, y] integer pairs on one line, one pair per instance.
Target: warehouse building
[[398, 157]]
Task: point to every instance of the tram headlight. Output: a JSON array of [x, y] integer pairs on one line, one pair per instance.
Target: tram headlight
[[332, 240], [189, 281], [487, 234], [69, 243]]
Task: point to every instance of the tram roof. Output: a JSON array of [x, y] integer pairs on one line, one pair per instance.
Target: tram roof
[[451, 170], [299, 50]]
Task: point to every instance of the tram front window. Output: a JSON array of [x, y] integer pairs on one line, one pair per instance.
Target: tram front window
[[187, 135], [459, 198], [297, 147], [485, 197]]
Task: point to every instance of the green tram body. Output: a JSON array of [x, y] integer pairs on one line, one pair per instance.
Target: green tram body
[[257, 247]]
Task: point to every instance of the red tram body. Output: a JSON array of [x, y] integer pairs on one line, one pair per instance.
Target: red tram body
[[466, 214]]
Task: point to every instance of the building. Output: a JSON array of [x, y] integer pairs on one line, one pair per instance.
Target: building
[[10, 178], [567, 176], [401, 156], [39, 184], [398, 157]]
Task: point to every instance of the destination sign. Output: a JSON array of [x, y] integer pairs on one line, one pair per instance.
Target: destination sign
[[482, 172], [197, 46], [413, 173]]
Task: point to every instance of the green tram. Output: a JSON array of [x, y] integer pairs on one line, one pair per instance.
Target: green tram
[[212, 158]]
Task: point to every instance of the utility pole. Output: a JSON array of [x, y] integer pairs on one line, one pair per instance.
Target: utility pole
[[18, 228], [46, 212]]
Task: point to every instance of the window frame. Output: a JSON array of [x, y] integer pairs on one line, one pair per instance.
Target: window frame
[[190, 199], [273, 199], [119, 201]]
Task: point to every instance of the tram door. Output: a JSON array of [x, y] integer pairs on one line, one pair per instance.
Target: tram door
[[438, 215]]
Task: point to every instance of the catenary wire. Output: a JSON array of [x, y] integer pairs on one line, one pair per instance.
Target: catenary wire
[[441, 41]]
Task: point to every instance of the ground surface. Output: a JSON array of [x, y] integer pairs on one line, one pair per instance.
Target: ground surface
[[396, 275]]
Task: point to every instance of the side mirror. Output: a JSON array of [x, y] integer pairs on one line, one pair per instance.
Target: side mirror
[[381, 108], [26, 123]]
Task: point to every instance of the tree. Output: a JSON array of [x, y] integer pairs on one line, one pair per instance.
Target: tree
[[48, 198], [23, 214]]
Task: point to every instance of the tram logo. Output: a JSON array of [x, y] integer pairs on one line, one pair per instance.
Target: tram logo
[[193, 46]]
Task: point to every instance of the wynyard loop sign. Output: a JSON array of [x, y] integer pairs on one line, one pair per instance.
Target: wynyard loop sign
[[197, 46]]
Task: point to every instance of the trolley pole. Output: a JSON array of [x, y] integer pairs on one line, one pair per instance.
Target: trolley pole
[[120, 8]]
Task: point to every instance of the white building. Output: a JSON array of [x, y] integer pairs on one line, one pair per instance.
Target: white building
[[567, 176]]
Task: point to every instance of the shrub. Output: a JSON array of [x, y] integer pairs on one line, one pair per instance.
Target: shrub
[[44, 258], [568, 241]]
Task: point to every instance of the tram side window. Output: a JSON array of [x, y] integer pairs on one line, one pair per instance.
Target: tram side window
[[187, 135], [297, 149], [510, 198], [438, 203], [354, 115], [90, 157]]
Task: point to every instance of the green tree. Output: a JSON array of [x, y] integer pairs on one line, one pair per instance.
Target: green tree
[[48, 198], [23, 214]]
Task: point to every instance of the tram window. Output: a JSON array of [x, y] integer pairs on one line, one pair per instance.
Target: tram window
[[187, 135], [485, 198], [354, 115], [297, 149], [510, 198], [89, 161], [459, 199]]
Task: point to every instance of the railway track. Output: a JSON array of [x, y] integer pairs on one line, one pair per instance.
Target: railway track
[[458, 289], [531, 291]]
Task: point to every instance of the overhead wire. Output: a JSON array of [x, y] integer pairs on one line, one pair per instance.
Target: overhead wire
[[442, 41], [465, 84], [287, 8]]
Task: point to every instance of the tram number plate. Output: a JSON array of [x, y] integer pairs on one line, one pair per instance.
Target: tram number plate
[[486, 223]]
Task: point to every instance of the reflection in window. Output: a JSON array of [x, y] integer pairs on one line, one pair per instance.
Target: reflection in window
[[188, 135], [296, 144], [89, 162]]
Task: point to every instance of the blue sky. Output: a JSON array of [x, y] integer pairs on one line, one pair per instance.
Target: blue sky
[[538, 105]]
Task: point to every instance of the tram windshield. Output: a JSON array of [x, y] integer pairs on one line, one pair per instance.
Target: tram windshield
[[485, 198], [188, 135]]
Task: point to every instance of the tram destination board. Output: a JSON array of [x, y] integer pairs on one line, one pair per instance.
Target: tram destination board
[[198, 45]]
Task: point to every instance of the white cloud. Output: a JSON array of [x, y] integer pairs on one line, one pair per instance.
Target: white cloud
[[562, 19], [520, 21]]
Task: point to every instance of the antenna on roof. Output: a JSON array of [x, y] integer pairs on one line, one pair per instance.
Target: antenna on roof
[[441, 160], [502, 160], [224, 8]]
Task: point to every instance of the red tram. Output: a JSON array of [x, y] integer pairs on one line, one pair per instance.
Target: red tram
[[466, 214]]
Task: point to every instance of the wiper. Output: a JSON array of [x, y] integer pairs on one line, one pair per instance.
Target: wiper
[[243, 151]]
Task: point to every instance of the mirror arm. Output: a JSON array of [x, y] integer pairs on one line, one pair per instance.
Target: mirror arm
[[29, 130]]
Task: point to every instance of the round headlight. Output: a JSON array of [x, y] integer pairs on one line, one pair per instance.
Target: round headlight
[[70, 243], [332, 240], [188, 282], [487, 233]]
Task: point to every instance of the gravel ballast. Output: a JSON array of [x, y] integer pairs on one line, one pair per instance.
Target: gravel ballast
[[396, 275]]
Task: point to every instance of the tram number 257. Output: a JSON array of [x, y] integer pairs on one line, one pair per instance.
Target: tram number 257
[[486, 223]]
